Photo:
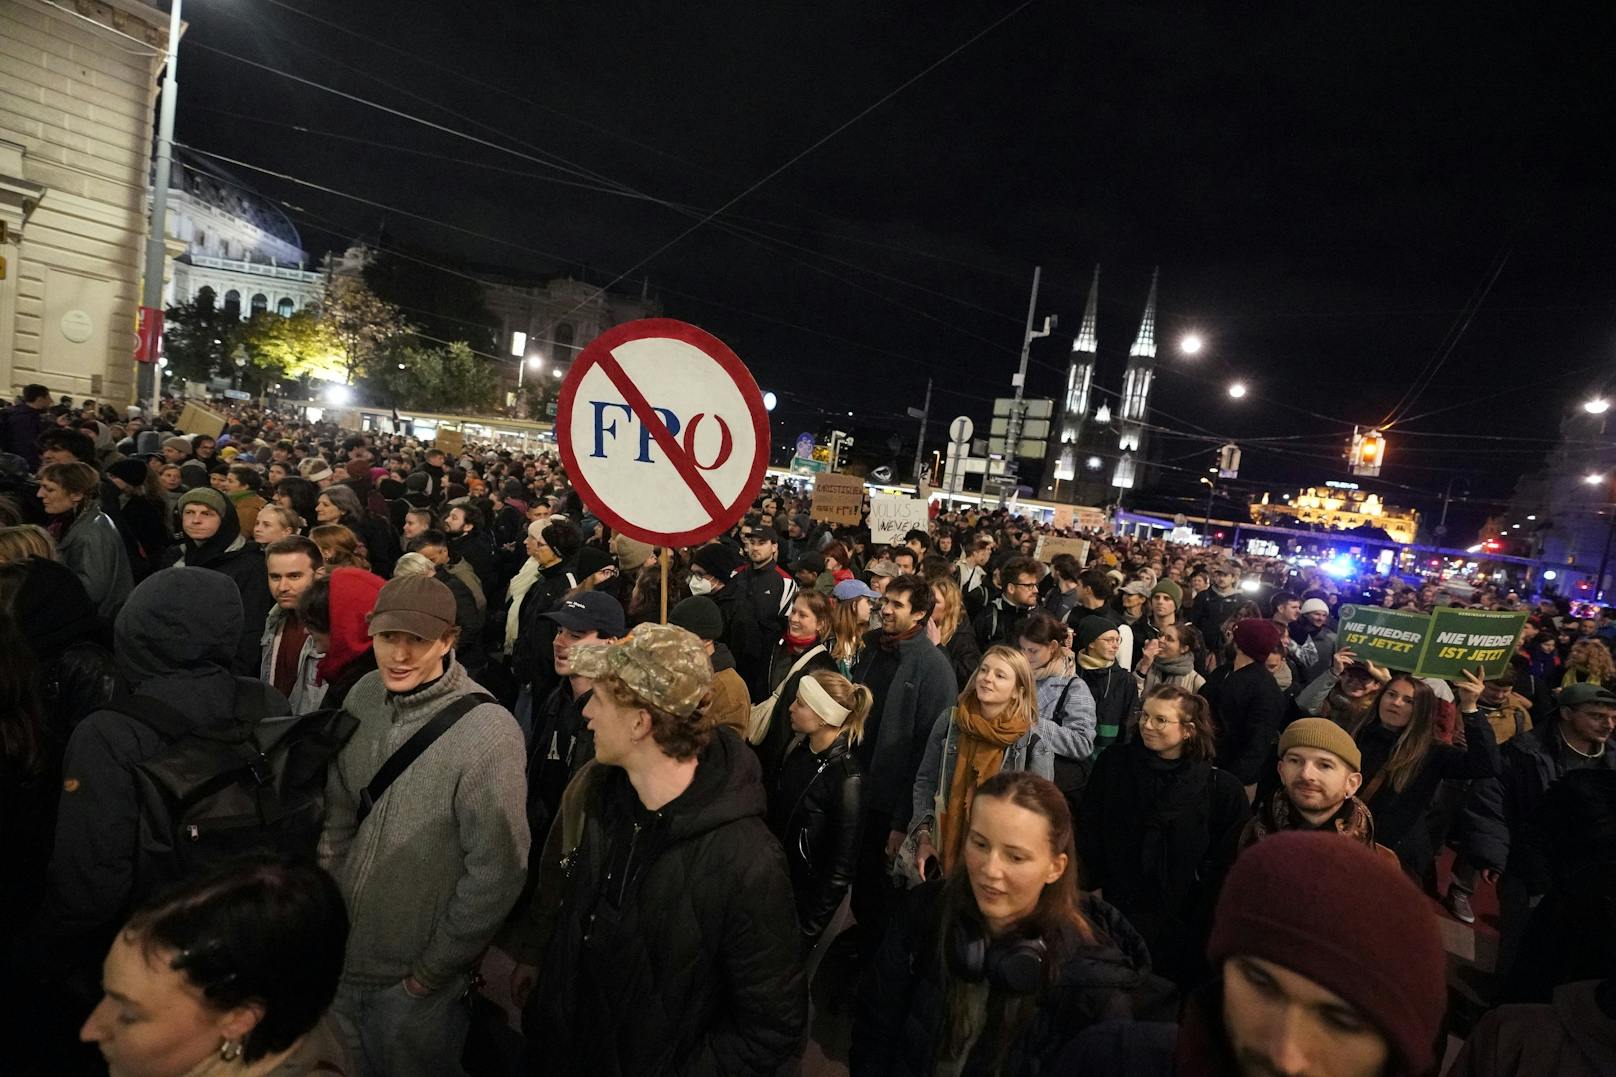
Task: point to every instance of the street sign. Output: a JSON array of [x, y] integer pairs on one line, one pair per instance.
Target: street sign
[[805, 446], [961, 429], [663, 431]]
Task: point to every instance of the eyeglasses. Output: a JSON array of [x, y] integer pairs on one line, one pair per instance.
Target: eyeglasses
[[1153, 721]]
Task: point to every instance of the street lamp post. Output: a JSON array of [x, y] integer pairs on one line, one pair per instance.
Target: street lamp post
[[1211, 489], [151, 290]]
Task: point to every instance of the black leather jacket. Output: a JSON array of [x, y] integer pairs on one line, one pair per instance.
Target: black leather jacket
[[815, 807]]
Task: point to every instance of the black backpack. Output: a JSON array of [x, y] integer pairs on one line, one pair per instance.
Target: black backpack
[[253, 784]]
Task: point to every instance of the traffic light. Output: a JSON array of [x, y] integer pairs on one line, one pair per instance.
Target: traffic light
[[1368, 452]]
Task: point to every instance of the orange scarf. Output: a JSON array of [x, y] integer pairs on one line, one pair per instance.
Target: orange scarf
[[980, 755]]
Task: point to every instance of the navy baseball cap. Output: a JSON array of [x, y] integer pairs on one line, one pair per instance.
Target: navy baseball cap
[[590, 611]]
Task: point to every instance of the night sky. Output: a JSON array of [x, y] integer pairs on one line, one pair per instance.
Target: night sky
[[1336, 195]]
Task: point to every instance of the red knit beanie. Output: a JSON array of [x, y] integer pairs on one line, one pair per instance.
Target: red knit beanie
[[1330, 909], [1256, 637]]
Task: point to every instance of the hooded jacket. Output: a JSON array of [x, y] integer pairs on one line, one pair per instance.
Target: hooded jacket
[[76, 670], [228, 552], [348, 654], [174, 639], [687, 959], [307, 691], [903, 1002]]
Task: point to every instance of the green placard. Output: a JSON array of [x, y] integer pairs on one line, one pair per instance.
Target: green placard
[[1391, 638], [1460, 639]]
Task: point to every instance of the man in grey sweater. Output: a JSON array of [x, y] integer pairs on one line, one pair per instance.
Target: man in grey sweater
[[431, 871]]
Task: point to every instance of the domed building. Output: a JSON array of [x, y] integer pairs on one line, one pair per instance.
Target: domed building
[[237, 245]]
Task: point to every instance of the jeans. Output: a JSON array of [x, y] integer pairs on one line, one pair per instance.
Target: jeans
[[391, 1033]]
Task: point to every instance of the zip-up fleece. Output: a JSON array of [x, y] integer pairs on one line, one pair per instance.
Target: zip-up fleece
[[433, 870]]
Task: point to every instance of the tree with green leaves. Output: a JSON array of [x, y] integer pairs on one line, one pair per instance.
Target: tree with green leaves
[[363, 326], [452, 378], [297, 346]]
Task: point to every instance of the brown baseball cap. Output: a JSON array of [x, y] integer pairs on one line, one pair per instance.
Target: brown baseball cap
[[419, 605]]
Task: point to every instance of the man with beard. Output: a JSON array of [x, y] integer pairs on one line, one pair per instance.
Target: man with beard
[[912, 682], [1320, 768], [1217, 604], [763, 594]]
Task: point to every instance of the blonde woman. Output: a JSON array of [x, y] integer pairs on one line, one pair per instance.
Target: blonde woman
[[989, 729], [274, 523], [950, 628], [1589, 663], [24, 541], [817, 802]]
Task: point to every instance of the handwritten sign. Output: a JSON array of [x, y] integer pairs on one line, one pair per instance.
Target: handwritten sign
[[838, 499], [450, 441], [1050, 546], [891, 517], [1064, 514]]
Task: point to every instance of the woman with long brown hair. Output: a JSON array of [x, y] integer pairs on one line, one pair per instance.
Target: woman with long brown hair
[[996, 969], [799, 652], [339, 546], [1404, 762], [1157, 824]]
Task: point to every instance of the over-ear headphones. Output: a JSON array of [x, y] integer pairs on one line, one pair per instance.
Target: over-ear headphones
[[1014, 964]]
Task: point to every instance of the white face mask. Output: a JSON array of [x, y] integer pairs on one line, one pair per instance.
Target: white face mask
[[701, 585]]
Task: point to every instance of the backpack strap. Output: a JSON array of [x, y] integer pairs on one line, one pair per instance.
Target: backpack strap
[[411, 750], [153, 713]]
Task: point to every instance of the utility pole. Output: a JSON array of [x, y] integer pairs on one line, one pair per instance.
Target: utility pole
[[920, 444], [1012, 441], [1447, 496], [151, 291]]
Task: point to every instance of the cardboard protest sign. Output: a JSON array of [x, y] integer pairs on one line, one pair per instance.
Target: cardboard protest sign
[[1391, 638], [893, 517], [1089, 518], [1461, 639], [838, 499], [1064, 514], [1050, 545], [197, 419], [450, 441]]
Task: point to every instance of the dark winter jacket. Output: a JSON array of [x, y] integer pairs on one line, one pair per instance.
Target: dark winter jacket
[[69, 640], [1400, 814], [964, 653], [1116, 694], [772, 751], [1156, 836], [1209, 611], [20, 427], [999, 622], [174, 639], [1250, 711], [762, 597], [231, 555], [815, 808], [922, 688], [676, 949], [532, 660], [143, 525], [93, 549], [1503, 812], [902, 1006]]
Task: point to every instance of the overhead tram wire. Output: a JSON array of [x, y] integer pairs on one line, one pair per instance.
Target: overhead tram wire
[[530, 102], [344, 232], [615, 187]]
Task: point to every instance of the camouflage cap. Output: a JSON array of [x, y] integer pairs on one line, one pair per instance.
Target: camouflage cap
[[664, 665]]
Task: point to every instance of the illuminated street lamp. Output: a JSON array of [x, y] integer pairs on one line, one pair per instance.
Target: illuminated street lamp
[[1596, 406], [1237, 390], [769, 401], [1191, 344]]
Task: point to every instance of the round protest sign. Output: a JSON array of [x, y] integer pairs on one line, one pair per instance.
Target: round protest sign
[[663, 431]]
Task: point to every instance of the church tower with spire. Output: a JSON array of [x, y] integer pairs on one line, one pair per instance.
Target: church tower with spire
[[1135, 400]]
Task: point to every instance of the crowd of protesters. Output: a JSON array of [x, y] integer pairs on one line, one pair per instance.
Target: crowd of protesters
[[300, 727]]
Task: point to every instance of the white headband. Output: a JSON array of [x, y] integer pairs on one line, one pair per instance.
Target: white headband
[[813, 695]]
